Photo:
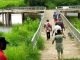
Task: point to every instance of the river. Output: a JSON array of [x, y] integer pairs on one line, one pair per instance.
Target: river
[[15, 19]]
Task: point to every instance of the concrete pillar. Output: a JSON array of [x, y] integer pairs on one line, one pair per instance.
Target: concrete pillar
[[23, 17], [3, 18], [78, 15], [7, 19]]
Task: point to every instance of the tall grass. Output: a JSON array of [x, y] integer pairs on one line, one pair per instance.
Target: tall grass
[[20, 46], [75, 21], [32, 54], [40, 43], [16, 52]]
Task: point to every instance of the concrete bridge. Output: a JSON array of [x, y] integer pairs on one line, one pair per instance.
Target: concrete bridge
[[34, 9], [69, 9], [71, 46], [22, 11]]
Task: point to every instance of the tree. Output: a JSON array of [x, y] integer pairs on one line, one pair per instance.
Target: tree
[[52, 3], [36, 2]]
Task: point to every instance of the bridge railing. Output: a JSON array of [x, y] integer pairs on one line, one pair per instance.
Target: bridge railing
[[72, 29], [68, 7], [37, 33], [28, 8]]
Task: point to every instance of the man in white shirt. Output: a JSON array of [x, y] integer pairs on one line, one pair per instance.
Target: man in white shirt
[[56, 27]]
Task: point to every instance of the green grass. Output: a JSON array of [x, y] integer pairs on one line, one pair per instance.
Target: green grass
[[15, 53], [40, 43], [32, 54], [20, 46], [75, 21], [11, 3]]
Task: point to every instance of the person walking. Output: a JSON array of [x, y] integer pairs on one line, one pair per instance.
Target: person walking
[[55, 28], [48, 28], [55, 16], [59, 44], [3, 44], [60, 23]]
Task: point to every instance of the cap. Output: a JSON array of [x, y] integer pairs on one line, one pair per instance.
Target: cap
[[2, 39]]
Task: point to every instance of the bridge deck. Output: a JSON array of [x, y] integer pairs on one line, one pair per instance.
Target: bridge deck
[[71, 47], [23, 9]]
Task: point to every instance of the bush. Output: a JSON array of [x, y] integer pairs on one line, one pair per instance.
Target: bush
[[75, 21], [16, 52], [32, 54], [1, 33], [40, 43], [20, 47], [50, 5]]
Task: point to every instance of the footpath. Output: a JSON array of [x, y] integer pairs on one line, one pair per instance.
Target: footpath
[[71, 47]]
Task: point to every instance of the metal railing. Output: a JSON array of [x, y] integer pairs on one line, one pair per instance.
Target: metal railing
[[74, 31], [37, 33], [69, 6], [28, 8], [23, 9]]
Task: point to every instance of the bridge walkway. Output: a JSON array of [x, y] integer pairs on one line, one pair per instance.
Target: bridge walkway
[[71, 47]]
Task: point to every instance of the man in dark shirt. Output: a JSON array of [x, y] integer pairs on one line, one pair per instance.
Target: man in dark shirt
[[60, 23], [3, 43]]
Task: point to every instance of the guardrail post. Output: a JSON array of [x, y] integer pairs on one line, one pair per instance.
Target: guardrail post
[[78, 15]]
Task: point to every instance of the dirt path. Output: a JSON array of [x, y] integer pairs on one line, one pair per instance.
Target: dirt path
[[49, 52]]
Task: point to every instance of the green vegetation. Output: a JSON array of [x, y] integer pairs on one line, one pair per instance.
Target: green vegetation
[[75, 21], [40, 43], [48, 3], [11, 3], [53, 3], [20, 45]]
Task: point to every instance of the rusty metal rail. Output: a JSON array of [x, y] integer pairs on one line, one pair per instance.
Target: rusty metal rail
[[72, 29], [37, 33]]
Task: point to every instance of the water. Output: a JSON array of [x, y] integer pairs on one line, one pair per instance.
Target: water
[[15, 19], [5, 29]]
